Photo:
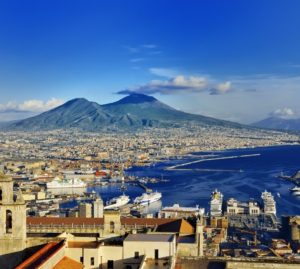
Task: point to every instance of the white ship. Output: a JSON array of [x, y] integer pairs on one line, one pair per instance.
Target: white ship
[[269, 203], [295, 190], [148, 198], [216, 203], [117, 202], [57, 183]]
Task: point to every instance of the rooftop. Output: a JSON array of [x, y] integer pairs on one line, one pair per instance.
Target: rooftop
[[67, 263], [149, 238]]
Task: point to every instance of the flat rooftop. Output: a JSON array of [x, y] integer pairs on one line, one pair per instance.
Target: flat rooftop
[[149, 238]]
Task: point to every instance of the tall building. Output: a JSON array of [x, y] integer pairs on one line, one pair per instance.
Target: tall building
[[12, 223], [85, 210], [98, 208]]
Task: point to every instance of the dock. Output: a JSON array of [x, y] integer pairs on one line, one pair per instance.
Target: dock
[[294, 179], [143, 186]]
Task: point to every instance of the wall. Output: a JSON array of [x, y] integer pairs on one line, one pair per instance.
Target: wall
[[166, 249]]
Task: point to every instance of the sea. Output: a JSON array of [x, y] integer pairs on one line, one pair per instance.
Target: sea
[[239, 173]]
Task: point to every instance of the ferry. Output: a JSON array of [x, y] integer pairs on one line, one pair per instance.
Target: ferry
[[117, 202], [57, 183], [148, 198]]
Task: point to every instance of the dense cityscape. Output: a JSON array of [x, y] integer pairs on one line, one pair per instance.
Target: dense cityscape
[[49, 169]]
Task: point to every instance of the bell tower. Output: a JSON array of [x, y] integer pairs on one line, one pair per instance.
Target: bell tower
[[12, 222]]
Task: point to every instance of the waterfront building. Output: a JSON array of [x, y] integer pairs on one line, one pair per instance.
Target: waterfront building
[[234, 207]]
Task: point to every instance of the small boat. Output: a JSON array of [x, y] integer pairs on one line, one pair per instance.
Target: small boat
[[295, 190], [278, 195], [117, 202]]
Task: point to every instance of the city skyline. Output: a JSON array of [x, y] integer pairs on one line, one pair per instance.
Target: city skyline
[[213, 59]]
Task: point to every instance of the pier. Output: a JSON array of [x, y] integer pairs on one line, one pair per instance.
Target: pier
[[143, 186], [294, 179], [213, 159]]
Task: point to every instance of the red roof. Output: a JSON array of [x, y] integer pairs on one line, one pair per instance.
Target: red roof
[[95, 221], [67, 263], [63, 221], [41, 256]]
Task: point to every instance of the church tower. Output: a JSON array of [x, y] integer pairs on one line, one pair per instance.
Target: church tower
[[12, 223]]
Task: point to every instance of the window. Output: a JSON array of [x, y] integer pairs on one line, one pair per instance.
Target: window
[[156, 254], [8, 221], [0, 194], [81, 259], [92, 261], [112, 227], [128, 266], [110, 264], [136, 255]]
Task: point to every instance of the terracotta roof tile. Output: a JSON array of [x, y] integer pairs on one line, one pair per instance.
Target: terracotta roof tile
[[63, 221], [67, 263], [41, 256], [179, 226]]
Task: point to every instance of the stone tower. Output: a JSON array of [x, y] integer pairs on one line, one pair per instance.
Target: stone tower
[[199, 236], [98, 208], [12, 223]]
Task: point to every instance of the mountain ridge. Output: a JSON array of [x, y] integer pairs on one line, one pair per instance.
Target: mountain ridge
[[278, 123], [131, 112]]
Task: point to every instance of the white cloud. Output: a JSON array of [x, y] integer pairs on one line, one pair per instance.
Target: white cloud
[[180, 84], [163, 72], [33, 105], [283, 113]]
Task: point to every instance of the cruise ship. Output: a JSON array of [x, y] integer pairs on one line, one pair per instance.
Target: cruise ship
[[269, 203], [57, 183], [148, 198], [216, 203], [117, 202]]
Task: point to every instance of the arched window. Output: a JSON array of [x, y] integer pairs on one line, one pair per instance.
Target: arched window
[[112, 227], [8, 221]]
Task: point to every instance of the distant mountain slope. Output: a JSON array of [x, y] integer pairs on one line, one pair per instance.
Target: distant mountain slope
[[149, 111], [79, 113], [279, 123], [131, 112]]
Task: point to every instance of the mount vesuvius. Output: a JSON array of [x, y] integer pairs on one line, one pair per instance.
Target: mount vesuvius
[[131, 112]]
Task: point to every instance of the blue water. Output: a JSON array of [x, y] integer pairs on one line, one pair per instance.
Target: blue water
[[241, 178]]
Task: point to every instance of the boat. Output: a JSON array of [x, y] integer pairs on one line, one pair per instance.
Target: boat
[[57, 183], [295, 190], [268, 202], [117, 202], [148, 198], [216, 203]]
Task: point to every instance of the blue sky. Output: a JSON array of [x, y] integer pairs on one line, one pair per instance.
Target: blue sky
[[236, 60]]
